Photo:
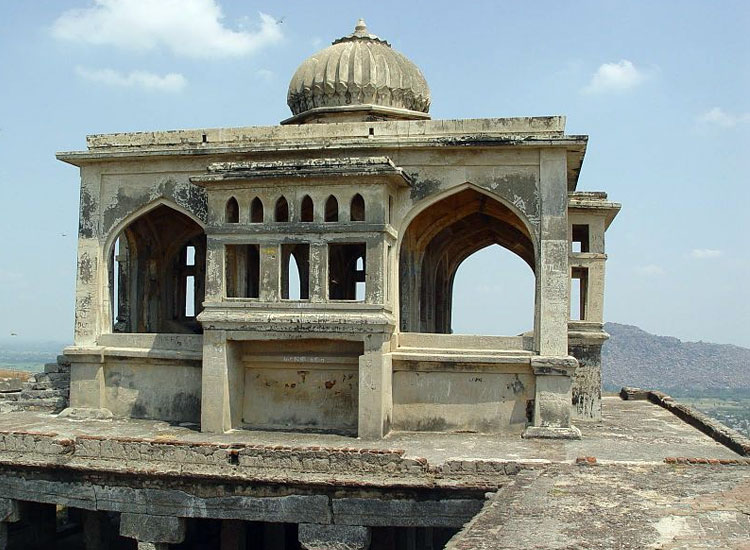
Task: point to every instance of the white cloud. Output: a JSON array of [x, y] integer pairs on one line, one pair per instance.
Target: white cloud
[[649, 270], [615, 77], [190, 28], [265, 74], [172, 82], [720, 117], [704, 253]]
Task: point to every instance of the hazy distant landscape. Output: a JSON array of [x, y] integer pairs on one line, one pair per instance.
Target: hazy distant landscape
[[28, 356], [714, 378]]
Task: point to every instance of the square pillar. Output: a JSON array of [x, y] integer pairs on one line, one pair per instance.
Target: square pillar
[[97, 530], [9, 513], [318, 272], [552, 401], [222, 383], [313, 536], [215, 270], [152, 532], [233, 535], [552, 292], [375, 388], [270, 272]]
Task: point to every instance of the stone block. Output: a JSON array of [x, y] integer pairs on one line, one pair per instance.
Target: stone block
[[155, 529], [404, 512], [10, 385], [333, 537]]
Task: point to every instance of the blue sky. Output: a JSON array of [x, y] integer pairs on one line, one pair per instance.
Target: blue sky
[[661, 88]]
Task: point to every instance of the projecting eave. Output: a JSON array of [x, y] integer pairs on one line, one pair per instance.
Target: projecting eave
[[594, 201], [357, 137], [324, 169]]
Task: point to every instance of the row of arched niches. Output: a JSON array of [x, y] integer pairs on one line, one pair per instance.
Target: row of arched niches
[[305, 213]]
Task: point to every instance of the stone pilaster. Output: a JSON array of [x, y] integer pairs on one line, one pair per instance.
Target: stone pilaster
[[313, 536]]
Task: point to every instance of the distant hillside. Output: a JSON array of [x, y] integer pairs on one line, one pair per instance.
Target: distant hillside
[[634, 357]]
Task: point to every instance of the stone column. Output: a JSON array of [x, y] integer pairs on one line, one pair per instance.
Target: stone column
[[233, 535], [552, 402], [375, 387], [222, 383], [8, 514], [97, 530], [313, 536], [152, 532]]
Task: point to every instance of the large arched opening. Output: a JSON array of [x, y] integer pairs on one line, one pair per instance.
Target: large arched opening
[[436, 243], [157, 273]]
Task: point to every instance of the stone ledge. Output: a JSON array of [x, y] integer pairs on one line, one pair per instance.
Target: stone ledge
[[711, 427]]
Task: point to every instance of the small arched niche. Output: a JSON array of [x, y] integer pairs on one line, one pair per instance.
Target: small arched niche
[[306, 209], [256, 211], [281, 212], [357, 208], [332, 209], [232, 211]]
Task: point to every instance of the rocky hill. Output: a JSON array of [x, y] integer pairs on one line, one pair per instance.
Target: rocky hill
[[634, 357]]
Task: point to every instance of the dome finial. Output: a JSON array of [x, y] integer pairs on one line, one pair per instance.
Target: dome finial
[[360, 29]]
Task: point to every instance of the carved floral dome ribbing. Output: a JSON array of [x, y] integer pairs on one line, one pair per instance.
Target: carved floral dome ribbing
[[358, 69]]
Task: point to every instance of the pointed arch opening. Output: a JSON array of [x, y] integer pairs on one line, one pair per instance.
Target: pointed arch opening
[[357, 208], [281, 212], [436, 243], [157, 273], [306, 209], [256, 211], [332, 209], [295, 271], [232, 211]]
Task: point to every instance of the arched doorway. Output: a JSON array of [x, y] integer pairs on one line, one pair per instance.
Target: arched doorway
[[438, 240], [157, 273]]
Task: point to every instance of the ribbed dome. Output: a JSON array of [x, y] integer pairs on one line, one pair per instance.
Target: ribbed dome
[[357, 71]]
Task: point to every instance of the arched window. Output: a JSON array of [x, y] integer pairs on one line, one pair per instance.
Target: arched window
[[306, 210], [295, 271], [332, 209], [256, 211], [357, 209], [157, 273], [281, 213], [232, 211]]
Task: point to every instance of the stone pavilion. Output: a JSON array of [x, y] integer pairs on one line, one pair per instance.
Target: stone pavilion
[[299, 277]]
